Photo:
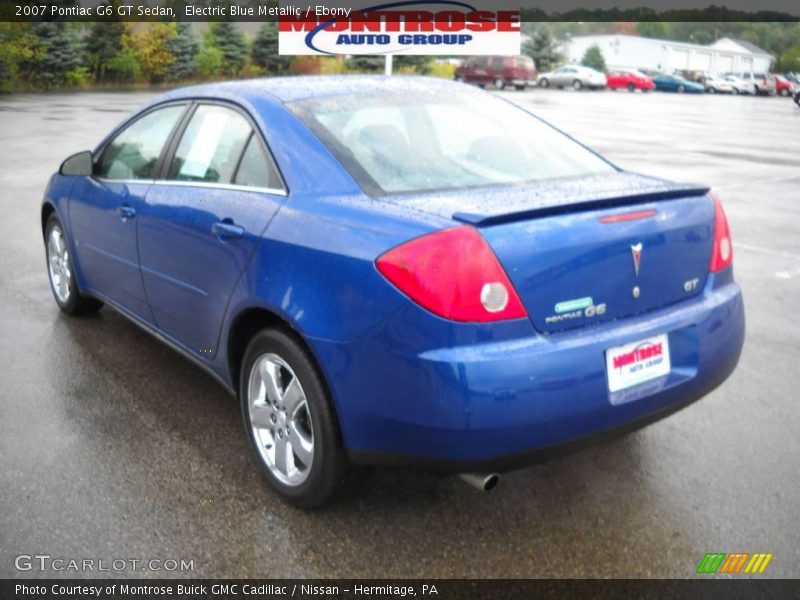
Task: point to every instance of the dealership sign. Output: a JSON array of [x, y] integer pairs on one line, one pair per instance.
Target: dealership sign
[[408, 27]]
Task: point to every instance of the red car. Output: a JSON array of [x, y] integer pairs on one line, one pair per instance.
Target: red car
[[498, 71], [629, 79], [783, 86]]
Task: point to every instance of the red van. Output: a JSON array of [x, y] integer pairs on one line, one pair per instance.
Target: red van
[[498, 71]]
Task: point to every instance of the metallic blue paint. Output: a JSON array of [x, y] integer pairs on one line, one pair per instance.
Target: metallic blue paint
[[405, 382]]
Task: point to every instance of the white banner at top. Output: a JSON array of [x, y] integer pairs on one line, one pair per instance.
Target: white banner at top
[[443, 27]]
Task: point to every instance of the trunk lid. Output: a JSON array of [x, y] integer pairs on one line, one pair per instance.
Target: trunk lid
[[570, 247]]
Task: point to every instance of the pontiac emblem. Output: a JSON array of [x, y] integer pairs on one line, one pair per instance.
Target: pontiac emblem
[[636, 253]]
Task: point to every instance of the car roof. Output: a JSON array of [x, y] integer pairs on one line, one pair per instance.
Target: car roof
[[295, 88]]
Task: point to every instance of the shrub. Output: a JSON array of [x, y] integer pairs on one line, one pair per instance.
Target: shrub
[[78, 77]]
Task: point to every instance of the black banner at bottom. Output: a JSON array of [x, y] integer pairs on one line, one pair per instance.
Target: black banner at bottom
[[439, 589]]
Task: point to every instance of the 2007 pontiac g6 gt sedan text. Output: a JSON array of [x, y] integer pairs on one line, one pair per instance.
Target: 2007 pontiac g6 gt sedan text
[[397, 271]]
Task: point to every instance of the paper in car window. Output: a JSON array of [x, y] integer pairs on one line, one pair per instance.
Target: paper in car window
[[205, 145]]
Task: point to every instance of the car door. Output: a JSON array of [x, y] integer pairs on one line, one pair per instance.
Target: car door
[[467, 71], [480, 72], [564, 76], [104, 208], [201, 223]]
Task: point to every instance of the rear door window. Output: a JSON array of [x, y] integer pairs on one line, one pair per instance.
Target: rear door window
[[211, 146], [255, 169]]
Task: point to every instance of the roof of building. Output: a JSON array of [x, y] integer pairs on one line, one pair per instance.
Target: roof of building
[[746, 47], [750, 46]]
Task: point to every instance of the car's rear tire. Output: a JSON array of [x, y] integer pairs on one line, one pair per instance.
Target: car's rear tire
[[631, 87], [577, 85], [735, 91], [460, 79], [290, 421], [711, 90], [544, 83], [498, 83], [784, 92], [61, 272], [681, 89]]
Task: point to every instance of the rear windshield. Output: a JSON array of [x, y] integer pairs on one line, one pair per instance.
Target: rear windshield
[[395, 143]]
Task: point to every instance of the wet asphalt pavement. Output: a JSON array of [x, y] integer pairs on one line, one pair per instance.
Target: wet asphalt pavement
[[113, 446]]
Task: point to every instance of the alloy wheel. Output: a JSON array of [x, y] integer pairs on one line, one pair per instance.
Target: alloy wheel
[[280, 420], [59, 266]]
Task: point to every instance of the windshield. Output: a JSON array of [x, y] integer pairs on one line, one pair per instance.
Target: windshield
[[394, 143]]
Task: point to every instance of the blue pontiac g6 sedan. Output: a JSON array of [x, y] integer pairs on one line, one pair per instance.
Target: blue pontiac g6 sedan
[[397, 271]]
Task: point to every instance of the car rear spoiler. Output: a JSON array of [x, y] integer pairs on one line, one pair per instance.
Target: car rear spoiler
[[554, 208]]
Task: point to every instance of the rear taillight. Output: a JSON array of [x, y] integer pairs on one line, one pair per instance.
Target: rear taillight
[[454, 274], [722, 252]]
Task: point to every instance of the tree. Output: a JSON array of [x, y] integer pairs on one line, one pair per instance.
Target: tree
[[542, 49], [653, 29], [593, 58], [16, 47], [150, 44], [789, 60], [376, 64], [265, 50], [418, 63], [124, 67], [184, 47], [228, 38], [57, 50], [103, 43], [209, 62], [366, 62]]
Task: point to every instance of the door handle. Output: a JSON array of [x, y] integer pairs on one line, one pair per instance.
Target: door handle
[[225, 230], [126, 212]]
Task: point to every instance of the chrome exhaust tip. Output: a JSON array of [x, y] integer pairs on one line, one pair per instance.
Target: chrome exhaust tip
[[481, 481]]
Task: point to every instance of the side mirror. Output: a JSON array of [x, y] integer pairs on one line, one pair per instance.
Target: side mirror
[[78, 165]]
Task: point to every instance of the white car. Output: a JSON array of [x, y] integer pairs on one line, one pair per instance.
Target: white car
[[739, 85], [717, 85], [575, 76]]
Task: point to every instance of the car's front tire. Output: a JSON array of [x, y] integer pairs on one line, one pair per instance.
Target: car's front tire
[[61, 272], [290, 421], [498, 83], [577, 85], [544, 83]]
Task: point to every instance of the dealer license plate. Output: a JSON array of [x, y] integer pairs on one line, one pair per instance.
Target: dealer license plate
[[637, 362]]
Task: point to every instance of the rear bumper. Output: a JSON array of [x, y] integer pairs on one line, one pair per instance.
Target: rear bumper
[[498, 404]]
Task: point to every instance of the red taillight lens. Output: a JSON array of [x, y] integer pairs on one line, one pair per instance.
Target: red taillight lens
[[454, 274], [722, 252]]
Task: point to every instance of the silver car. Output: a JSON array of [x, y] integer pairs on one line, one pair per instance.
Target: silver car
[[717, 85], [758, 83], [575, 76]]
